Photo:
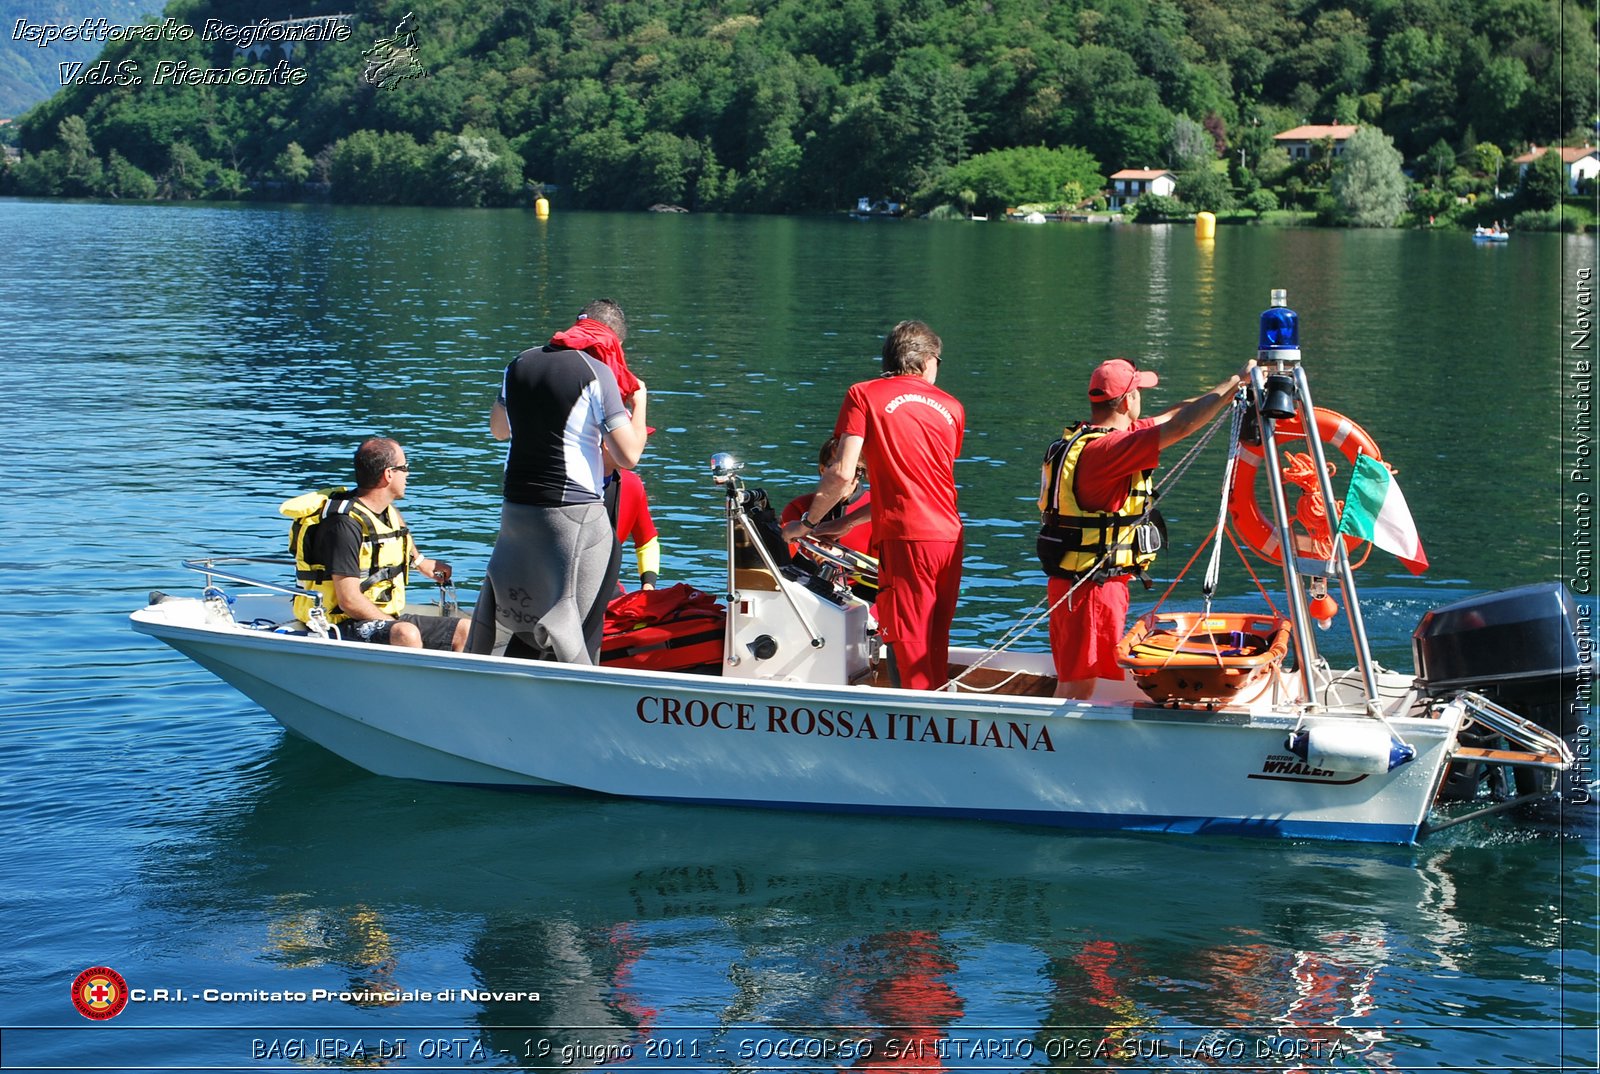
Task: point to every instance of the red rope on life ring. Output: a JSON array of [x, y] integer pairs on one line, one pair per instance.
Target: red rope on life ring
[[1254, 527]]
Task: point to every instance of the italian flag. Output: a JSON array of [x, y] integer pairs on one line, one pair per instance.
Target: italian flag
[[1374, 510]]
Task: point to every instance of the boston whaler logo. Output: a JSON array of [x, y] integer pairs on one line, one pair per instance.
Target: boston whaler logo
[[99, 993], [1287, 768]]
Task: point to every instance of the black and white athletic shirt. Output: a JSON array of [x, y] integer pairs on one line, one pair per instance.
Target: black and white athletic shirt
[[559, 402]]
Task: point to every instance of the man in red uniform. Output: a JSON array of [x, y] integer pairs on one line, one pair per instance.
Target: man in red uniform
[[909, 432], [1119, 450]]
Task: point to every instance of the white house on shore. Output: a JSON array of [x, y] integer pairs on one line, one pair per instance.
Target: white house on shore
[[1299, 141], [1582, 162], [1128, 185]]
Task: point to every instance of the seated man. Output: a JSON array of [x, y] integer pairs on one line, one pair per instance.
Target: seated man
[[849, 523], [354, 550]]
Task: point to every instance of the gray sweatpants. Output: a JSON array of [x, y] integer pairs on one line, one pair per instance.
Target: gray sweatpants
[[547, 585]]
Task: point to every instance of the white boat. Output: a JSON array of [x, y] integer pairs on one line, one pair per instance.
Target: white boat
[[797, 716], [1491, 234]]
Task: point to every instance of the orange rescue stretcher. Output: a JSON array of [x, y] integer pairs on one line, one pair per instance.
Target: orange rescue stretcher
[[1190, 658]]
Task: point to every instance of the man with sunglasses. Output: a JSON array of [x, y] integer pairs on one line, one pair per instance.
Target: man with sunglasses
[[1094, 490], [355, 550], [908, 432], [849, 523]]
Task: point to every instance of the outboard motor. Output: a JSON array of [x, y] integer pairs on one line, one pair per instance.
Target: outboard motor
[[1520, 647], [1524, 648]]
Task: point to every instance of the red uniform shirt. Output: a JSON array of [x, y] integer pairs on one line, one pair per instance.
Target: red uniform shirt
[[860, 539], [912, 431], [1106, 467]]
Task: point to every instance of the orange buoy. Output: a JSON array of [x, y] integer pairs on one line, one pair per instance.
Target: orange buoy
[[1323, 609]]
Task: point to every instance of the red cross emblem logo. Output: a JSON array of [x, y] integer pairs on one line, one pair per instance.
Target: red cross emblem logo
[[99, 993]]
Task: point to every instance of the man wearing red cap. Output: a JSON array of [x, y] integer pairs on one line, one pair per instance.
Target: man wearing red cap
[[1094, 490], [909, 433]]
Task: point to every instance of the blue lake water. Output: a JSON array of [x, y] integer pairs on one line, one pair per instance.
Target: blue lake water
[[174, 372]]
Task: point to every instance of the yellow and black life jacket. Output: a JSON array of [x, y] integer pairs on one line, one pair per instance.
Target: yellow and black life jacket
[[1074, 541], [385, 553]]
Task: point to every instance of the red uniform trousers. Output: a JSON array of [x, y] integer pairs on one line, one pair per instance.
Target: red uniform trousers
[[1084, 637], [918, 583]]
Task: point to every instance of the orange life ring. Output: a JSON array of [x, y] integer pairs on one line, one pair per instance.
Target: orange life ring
[[1255, 528]]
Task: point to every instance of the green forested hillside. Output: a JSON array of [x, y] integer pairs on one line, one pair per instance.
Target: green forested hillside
[[28, 73], [788, 105]]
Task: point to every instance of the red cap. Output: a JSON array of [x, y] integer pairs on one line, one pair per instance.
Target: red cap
[[1116, 377]]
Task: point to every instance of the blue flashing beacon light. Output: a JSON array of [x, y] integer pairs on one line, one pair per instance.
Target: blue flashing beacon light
[[1280, 332], [1279, 349]]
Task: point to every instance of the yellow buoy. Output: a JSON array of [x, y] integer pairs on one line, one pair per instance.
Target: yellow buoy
[[541, 208], [1205, 225]]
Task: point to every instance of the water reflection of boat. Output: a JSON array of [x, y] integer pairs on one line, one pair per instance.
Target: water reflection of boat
[[799, 715], [631, 918]]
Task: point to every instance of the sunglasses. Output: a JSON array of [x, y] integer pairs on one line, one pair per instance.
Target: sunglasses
[[403, 469]]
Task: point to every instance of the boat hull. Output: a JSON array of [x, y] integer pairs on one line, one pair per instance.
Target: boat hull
[[460, 718]]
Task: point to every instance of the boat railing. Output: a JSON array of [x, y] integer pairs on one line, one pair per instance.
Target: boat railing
[[220, 567], [1541, 747]]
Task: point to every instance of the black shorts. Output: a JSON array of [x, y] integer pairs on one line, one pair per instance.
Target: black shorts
[[438, 631]]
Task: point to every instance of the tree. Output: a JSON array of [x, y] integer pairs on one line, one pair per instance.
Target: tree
[[186, 172], [123, 179], [80, 166], [1154, 208], [1272, 165], [1488, 158], [1369, 189], [926, 100], [1204, 189], [39, 174], [1439, 161], [792, 104], [292, 166], [388, 169], [1496, 96], [475, 168], [1319, 164], [1193, 148], [990, 182], [228, 184], [1543, 182], [663, 161], [1293, 187], [1261, 201], [593, 164]]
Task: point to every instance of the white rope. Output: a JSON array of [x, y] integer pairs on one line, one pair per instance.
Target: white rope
[[1026, 625], [1214, 568]]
